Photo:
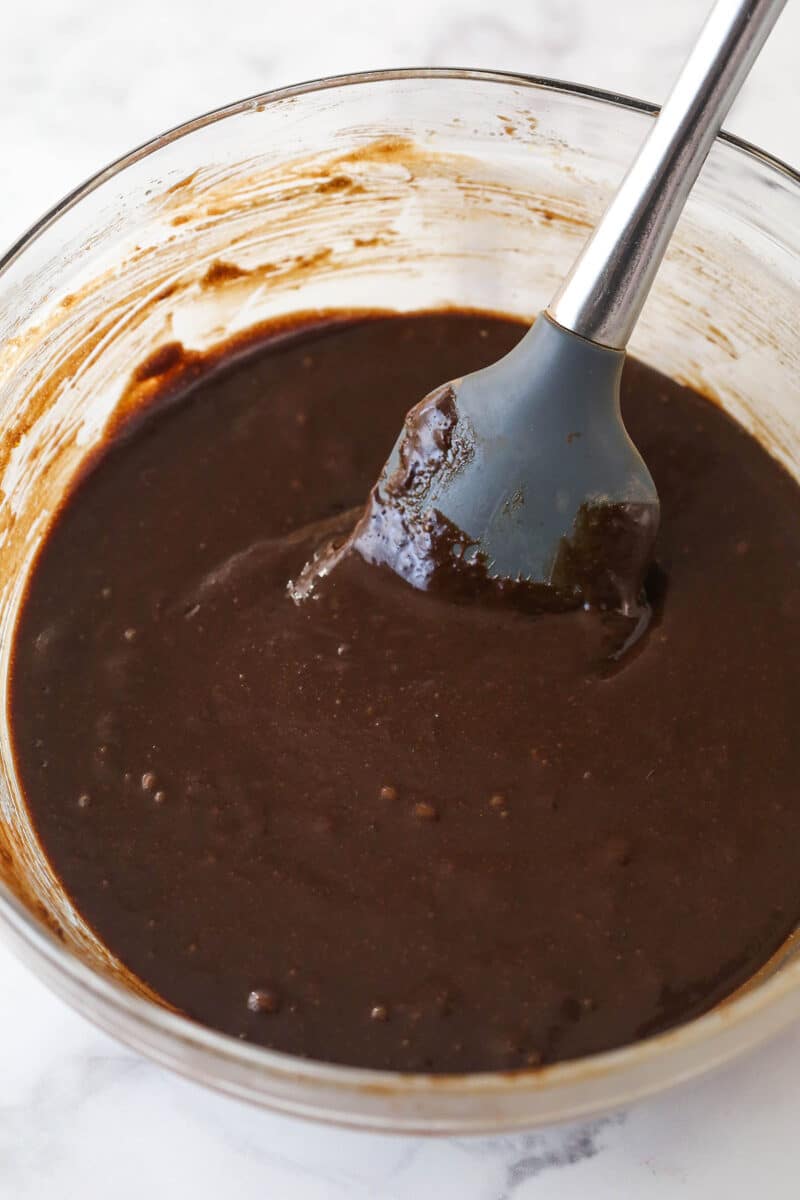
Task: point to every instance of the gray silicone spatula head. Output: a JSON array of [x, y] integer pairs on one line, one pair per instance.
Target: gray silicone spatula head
[[522, 477], [521, 472]]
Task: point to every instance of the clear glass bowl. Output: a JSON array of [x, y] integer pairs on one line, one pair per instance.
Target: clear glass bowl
[[404, 189]]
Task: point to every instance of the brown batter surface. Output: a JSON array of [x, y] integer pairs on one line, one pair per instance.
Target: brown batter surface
[[380, 827]]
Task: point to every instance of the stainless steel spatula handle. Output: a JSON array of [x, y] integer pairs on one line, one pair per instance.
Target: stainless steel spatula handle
[[603, 294]]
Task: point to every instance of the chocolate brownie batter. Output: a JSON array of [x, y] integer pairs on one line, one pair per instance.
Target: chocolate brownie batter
[[382, 827]]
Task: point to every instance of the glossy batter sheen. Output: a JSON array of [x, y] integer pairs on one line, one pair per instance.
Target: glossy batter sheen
[[380, 827]]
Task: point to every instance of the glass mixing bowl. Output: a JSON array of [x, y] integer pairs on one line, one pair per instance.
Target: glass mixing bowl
[[401, 189]]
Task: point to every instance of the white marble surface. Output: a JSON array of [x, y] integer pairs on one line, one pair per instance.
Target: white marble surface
[[80, 82]]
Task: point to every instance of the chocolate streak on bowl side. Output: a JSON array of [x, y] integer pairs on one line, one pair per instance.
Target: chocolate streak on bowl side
[[381, 828]]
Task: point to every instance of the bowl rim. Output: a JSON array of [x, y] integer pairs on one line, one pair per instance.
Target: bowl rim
[[535, 82], [224, 1058]]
